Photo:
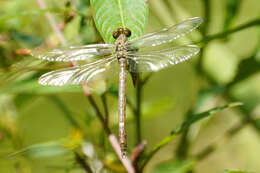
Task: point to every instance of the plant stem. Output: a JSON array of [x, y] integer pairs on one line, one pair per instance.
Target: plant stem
[[231, 31], [138, 110], [98, 112], [204, 31], [104, 100], [136, 154], [52, 22], [82, 162], [184, 144]]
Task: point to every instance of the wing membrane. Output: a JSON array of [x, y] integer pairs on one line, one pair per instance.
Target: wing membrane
[[75, 53], [77, 75], [166, 35], [156, 60]]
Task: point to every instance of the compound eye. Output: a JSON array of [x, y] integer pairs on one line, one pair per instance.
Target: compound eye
[[116, 34], [127, 32]]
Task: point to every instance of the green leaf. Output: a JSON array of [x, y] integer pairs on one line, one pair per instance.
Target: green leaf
[[177, 166], [47, 149], [32, 87], [53, 148], [235, 171], [112, 14]]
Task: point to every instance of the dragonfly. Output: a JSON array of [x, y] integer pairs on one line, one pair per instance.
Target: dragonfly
[[135, 56]]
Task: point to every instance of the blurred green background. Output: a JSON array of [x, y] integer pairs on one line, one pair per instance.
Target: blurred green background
[[227, 70]]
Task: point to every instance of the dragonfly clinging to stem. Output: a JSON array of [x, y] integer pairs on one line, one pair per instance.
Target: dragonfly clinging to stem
[[134, 55]]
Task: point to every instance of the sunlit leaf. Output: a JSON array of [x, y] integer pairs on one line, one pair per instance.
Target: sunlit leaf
[[53, 148], [176, 166], [112, 14]]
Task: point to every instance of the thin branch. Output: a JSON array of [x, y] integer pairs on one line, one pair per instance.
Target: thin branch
[[82, 163], [104, 100], [138, 109], [136, 154], [204, 31], [137, 151], [184, 144], [52, 22], [94, 105], [231, 31]]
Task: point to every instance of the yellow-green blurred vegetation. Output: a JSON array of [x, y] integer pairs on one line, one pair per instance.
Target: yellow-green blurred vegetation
[[49, 129]]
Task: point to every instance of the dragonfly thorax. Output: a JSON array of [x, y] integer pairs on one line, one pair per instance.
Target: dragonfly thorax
[[121, 47]]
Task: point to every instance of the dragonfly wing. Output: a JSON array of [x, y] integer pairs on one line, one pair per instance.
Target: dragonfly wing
[[77, 75], [75, 53], [156, 60], [166, 35]]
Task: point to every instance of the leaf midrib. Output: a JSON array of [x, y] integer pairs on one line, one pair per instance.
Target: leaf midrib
[[121, 12]]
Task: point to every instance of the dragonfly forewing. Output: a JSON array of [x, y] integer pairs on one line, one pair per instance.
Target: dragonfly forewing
[[149, 61], [166, 35], [75, 53]]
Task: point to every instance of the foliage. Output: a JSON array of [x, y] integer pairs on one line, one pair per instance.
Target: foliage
[[35, 120]]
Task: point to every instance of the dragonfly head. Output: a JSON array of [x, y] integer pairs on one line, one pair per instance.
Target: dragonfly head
[[120, 31]]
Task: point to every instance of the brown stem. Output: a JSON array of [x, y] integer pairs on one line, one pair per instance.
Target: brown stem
[[135, 156], [104, 100], [82, 163], [52, 22]]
